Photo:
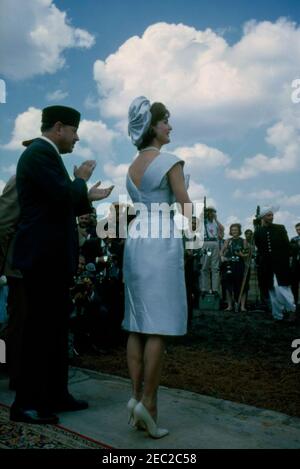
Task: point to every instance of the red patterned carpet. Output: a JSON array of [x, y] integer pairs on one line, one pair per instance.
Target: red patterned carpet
[[23, 436]]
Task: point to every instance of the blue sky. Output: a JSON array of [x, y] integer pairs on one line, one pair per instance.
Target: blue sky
[[224, 69]]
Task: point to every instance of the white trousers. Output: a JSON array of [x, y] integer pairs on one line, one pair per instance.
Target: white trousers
[[282, 299]]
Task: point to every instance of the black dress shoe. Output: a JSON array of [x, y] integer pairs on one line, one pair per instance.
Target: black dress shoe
[[70, 404], [32, 416]]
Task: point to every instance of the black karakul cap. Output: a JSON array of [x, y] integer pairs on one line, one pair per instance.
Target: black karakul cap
[[65, 115]]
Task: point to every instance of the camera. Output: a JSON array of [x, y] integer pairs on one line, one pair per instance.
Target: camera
[[206, 252], [234, 258]]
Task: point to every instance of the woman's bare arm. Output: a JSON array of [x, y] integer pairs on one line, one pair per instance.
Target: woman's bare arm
[[177, 183]]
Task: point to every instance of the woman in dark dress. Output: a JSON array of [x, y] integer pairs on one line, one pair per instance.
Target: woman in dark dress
[[233, 255]]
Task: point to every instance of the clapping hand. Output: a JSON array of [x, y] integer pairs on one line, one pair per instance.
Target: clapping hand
[[85, 170], [95, 193]]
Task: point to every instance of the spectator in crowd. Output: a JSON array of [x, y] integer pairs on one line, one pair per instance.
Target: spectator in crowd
[[115, 226], [192, 271], [222, 276], [92, 228], [250, 259], [106, 256], [233, 254], [295, 248], [91, 249], [84, 221], [87, 223], [3, 302], [273, 257], [213, 233], [91, 323], [81, 265], [82, 226], [249, 236], [16, 301]]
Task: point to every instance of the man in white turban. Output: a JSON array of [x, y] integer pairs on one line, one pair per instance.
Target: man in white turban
[[273, 251]]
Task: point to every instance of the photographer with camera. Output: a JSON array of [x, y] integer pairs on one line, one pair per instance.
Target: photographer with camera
[[90, 324], [213, 233], [233, 253], [295, 266]]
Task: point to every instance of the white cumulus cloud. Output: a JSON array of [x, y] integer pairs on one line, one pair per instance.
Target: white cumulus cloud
[[11, 169], [200, 157], [285, 137], [116, 175], [264, 196], [33, 36], [57, 95], [2, 185], [288, 219], [211, 87], [96, 138], [27, 125]]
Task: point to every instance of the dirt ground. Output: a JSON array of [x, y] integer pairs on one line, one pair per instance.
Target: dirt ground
[[241, 357]]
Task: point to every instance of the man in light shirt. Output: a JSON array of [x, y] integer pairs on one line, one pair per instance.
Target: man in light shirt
[[213, 233]]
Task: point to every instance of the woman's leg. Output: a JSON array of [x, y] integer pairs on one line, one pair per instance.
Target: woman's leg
[[153, 359], [135, 361], [243, 302], [229, 300]]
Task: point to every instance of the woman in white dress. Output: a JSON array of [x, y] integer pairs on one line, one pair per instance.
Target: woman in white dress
[[155, 291]]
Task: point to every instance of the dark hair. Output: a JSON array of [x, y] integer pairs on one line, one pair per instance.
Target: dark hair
[[159, 112], [45, 126], [248, 231], [298, 224], [236, 225]]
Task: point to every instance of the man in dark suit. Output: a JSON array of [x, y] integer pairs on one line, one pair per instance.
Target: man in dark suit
[[295, 248], [46, 252], [273, 255]]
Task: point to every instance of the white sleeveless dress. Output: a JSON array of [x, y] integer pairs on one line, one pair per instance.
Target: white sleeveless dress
[[155, 290]]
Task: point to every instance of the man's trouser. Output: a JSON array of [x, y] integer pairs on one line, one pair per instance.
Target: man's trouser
[[210, 264], [281, 300], [296, 282], [43, 379], [16, 310]]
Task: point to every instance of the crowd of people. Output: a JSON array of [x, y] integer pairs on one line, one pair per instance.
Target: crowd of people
[[223, 267], [68, 289], [220, 268], [98, 291]]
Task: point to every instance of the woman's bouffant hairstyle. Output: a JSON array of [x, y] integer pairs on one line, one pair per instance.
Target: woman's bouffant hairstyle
[[236, 225], [159, 112]]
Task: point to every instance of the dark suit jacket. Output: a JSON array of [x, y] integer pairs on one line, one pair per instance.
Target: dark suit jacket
[[47, 236], [273, 251], [295, 253]]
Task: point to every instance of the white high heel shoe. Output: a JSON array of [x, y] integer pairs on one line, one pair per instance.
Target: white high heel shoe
[[132, 420], [142, 415], [132, 403]]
